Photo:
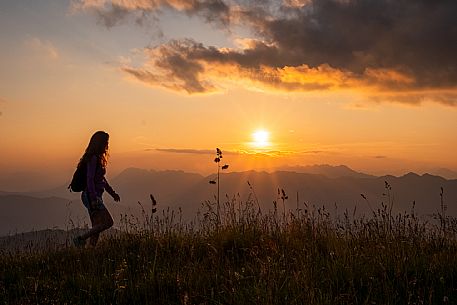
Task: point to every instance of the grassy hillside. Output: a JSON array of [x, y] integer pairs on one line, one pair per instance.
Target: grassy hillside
[[241, 256]]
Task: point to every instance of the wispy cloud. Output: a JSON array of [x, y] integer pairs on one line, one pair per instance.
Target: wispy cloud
[[114, 12], [225, 152], [42, 47], [268, 153], [396, 51], [380, 157], [313, 152], [185, 151]]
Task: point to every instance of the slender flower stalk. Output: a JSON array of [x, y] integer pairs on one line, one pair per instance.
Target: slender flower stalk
[[217, 160]]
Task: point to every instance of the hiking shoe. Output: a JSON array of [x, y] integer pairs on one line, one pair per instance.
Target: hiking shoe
[[79, 242]]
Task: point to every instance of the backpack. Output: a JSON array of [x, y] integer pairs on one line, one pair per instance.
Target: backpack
[[79, 181]]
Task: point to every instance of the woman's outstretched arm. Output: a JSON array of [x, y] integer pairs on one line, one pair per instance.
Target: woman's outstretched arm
[[111, 191]]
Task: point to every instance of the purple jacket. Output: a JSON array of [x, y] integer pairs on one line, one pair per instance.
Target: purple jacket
[[96, 182]]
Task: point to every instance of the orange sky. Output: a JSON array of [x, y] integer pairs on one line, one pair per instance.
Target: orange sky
[[166, 101]]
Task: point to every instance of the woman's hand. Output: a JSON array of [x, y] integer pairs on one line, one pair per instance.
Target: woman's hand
[[116, 197]]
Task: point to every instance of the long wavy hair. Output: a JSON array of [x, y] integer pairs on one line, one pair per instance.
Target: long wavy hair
[[98, 146]]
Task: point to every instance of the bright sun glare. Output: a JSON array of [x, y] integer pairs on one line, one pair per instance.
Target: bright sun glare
[[261, 138]]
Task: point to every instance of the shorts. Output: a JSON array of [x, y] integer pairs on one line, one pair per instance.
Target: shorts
[[99, 205]]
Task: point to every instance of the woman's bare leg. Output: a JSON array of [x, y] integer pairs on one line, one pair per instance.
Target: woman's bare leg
[[101, 220]]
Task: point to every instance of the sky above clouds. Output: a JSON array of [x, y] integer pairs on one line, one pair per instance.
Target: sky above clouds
[[371, 84]]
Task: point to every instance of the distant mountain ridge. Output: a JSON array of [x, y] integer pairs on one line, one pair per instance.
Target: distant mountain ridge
[[139, 183], [341, 187], [188, 191], [444, 172], [327, 170]]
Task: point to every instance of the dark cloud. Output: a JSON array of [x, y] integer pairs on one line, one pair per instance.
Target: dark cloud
[[416, 36], [185, 65], [115, 15], [215, 11], [402, 51], [111, 13], [173, 69]]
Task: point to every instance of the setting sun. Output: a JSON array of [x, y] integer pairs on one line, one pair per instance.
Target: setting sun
[[261, 138]]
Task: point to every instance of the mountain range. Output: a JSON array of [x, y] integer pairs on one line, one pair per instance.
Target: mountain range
[[336, 187]]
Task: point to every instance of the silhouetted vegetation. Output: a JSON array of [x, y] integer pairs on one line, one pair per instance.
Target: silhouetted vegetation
[[247, 256], [217, 160]]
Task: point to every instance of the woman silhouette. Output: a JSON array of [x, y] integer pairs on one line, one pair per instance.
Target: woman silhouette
[[95, 160]]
